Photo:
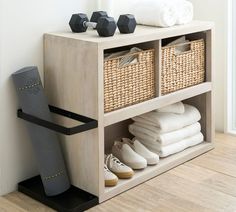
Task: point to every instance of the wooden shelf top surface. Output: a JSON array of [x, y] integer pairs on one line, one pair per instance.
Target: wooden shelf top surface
[[142, 34]]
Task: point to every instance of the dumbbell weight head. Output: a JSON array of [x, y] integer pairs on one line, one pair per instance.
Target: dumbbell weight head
[[77, 22], [126, 23], [106, 26], [96, 15]]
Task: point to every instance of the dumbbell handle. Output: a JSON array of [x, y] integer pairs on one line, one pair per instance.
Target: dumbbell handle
[[90, 24]]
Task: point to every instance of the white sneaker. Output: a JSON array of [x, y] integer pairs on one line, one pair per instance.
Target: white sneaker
[[128, 156], [110, 178], [152, 158], [119, 169]]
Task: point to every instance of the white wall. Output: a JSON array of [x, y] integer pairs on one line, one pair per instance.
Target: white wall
[[217, 11], [21, 44]]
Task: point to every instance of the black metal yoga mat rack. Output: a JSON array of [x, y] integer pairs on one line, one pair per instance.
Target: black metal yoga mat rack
[[74, 199], [89, 123]]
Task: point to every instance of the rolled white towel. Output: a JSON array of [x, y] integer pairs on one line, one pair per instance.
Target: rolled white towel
[[158, 13], [161, 13], [167, 122], [177, 108], [163, 139], [155, 13], [177, 147], [184, 10]]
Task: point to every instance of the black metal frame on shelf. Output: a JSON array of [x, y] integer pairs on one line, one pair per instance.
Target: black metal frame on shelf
[[74, 199]]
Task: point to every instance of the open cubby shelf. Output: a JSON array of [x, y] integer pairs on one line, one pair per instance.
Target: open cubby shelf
[[164, 165], [74, 81]]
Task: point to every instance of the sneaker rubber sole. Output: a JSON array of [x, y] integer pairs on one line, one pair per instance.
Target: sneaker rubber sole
[[124, 175], [110, 183]]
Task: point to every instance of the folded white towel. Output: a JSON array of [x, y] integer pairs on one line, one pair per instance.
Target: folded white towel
[[174, 148], [177, 108], [168, 122], [163, 139]]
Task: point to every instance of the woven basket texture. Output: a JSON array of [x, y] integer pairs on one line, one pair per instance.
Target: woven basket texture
[[126, 85], [181, 70]]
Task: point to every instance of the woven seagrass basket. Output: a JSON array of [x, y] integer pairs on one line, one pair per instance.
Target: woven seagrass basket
[[181, 70], [126, 85]]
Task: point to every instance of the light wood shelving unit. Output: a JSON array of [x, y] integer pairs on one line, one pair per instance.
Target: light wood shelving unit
[[74, 81]]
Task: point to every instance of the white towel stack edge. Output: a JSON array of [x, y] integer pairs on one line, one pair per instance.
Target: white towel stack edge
[[169, 131]]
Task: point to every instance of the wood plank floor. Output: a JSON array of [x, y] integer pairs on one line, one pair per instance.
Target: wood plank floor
[[206, 183]]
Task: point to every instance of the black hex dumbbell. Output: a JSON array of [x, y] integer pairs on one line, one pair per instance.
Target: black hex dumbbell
[[105, 26], [94, 18], [98, 14], [126, 23]]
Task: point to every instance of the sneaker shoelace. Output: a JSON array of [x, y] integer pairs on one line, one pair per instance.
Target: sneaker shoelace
[[105, 167], [110, 158]]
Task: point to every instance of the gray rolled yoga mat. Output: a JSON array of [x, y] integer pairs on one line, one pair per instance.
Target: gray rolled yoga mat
[[45, 142]]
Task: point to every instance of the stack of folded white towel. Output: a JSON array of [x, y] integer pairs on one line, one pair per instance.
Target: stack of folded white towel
[[168, 130], [161, 13]]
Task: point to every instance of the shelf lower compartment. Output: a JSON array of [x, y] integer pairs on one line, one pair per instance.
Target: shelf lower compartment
[[164, 165], [158, 102]]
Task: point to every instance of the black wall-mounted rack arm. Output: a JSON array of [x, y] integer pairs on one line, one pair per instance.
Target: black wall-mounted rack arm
[[89, 123]]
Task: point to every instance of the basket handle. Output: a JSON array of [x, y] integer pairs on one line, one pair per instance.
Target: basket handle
[[183, 52], [127, 59]]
